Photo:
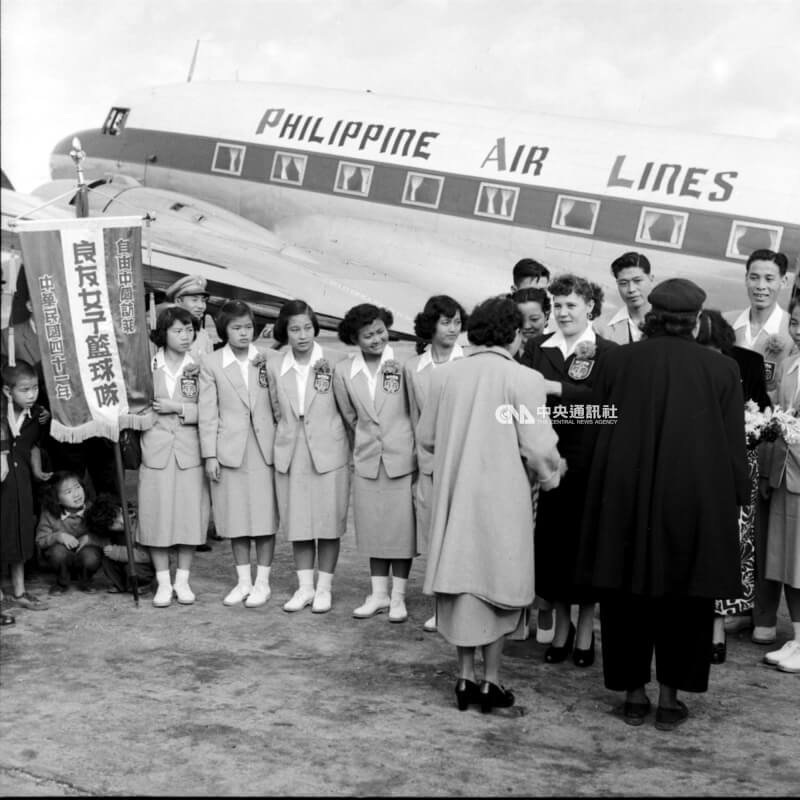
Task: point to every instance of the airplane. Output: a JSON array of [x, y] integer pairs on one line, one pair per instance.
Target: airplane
[[391, 200]]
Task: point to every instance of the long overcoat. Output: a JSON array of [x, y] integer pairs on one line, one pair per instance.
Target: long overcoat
[[665, 483], [481, 538]]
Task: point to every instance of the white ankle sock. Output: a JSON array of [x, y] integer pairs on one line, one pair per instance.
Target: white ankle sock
[[305, 578], [243, 571], [380, 585], [181, 577], [163, 578], [262, 574], [324, 581], [399, 586]]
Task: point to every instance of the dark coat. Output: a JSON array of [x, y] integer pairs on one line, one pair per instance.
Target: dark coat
[[665, 483], [751, 368]]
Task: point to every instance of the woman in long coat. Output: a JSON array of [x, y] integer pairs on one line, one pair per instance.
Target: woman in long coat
[[486, 448]]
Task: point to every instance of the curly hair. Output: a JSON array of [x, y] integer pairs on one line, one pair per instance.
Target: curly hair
[[669, 323], [568, 283], [231, 310], [494, 322], [100, 516], [292, 308], [166, 317], [359, 317], [49, 492], [631, 260], [438, 306], [779, 259], [716, 331]]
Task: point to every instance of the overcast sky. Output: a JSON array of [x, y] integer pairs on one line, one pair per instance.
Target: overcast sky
[[726, 66]]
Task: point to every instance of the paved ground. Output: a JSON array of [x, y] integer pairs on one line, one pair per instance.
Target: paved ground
[[99, 697]]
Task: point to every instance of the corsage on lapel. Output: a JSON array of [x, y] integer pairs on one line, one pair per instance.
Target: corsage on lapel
[[391, 376], [772, 348], [583, 362], [259, 360], [189, 380], [323, 376]]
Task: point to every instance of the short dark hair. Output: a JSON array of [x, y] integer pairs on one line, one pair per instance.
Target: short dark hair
[[232, 309], [359, 317], [716, 331], [168, 315], [793, 303], [531, 295], [779, 259], [658, 322], [630, 260], [494, 322], [290, 309], [440, 305], [100, 515], [49, 493], [13, 374], [568, 283], [528, 268]]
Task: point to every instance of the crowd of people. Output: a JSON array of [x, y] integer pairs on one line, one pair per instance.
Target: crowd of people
[[557, 460]]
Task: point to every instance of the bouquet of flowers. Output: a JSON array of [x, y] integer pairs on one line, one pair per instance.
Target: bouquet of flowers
[[786, 424], [756, 423], [768, 425], [585, 351]]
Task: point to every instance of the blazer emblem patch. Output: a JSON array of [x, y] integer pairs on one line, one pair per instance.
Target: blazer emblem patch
[[580, 368]]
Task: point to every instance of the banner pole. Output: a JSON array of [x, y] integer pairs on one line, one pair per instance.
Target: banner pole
[[134, 580]]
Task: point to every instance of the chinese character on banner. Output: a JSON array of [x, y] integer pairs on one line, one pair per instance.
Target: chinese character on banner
[[88, 302]]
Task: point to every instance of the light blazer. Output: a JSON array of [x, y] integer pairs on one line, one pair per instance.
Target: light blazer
[[228, 409], [382, 431], [172, 433], [325, 431], [784, 461]]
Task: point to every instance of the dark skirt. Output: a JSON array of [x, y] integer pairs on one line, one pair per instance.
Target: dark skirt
[[557, 536], [17, 520]]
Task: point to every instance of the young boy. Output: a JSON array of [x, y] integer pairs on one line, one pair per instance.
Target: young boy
[[21, 464]]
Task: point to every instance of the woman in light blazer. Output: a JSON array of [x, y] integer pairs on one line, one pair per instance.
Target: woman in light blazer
[[437, 327], [173, 493], [312, 479], [373, 401], [237, 436]]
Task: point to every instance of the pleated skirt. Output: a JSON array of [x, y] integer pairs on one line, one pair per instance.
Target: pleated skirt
[[174, 506], [783, 538], [468, 621], [311, 505], [244, 497], [383, 513]]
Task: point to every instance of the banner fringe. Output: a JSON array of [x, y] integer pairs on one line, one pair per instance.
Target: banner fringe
[[80, 433]]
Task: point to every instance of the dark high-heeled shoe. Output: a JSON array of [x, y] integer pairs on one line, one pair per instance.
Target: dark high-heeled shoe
[[494, 696], [584, 658], [467, 693], [555, 655]]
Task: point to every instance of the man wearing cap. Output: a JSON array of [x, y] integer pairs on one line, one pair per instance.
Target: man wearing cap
[[190, 293], [660, 535]]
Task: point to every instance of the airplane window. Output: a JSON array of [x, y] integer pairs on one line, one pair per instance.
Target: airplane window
[[422, 190], [115, 121], [658, 226], [495, 200], [748, 236], [228, 158], [353, 179], [289, 168], [575, 214]]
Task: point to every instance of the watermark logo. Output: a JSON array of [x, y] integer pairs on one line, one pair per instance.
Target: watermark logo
[[576, 414]]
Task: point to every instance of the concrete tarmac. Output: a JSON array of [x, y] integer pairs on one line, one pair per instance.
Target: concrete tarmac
[[99, 697]]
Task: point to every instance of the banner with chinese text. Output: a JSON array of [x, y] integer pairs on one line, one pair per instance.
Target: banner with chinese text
[[87, 291]]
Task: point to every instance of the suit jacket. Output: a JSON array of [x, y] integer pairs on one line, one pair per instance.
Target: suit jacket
[[228, 410], [784, 459], [173, 434], [751, 368], [325, 430], [381, 430]]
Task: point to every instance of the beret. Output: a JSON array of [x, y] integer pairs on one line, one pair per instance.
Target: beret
[[678, 295], [188, 284]]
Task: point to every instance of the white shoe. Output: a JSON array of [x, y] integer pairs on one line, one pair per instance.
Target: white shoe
[[430, 625], [184, 594], [764, 635], [259, 595], [300, 599], [237, 594], [163, 596], [322, 602], [777, 657], [397, 609], [791, 663], [374, 604]]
